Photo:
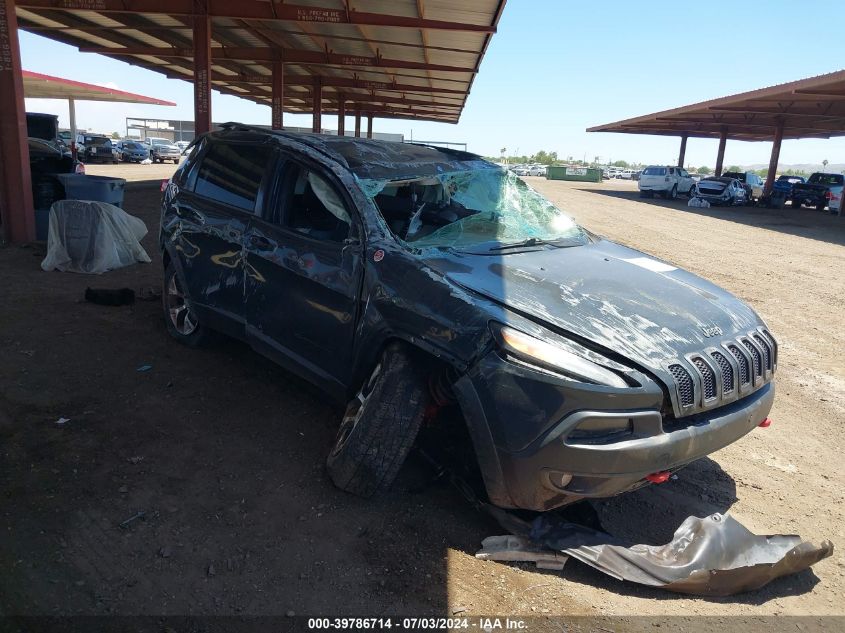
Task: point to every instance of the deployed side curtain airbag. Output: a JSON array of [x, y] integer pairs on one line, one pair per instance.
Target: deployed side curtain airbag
[[328, 196]]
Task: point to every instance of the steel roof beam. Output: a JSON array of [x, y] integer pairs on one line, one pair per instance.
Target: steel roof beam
[[255, 10], [267, 54], [334, 82]]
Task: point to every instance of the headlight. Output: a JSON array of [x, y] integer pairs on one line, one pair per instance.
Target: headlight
[[554, 357]]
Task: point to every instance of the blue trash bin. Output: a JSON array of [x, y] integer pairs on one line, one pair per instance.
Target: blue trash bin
[[98, 188]]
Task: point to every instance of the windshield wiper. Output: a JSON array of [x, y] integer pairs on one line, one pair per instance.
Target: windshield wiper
[[531, 241]]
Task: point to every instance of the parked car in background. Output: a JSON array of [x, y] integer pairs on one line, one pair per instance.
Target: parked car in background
[[721, 190], [182, 145], [784, 184], [820, 190], [132, 151], [422, 277], [48, 156], [537, 170], [752, 182], [666, 181], [521, 170], [162, 150], [96, 147]]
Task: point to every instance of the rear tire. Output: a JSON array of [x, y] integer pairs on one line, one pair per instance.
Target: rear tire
[[379, 426], [796, 204], [672, 194], [820, 206], [182, 323]]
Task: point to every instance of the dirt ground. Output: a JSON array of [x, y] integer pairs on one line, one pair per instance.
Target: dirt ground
[[222, 453]]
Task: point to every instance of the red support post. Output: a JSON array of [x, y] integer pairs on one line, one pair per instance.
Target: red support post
[[341, 114], [774, 159], [202, 68], [17, 214], [370, 126], [317, 96], [720, 156], [357, 124], [278, 106]]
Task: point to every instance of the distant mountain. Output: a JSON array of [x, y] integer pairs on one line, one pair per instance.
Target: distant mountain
[[808, 167]]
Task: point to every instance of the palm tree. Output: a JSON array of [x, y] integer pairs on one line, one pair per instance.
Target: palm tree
[[824, 163]]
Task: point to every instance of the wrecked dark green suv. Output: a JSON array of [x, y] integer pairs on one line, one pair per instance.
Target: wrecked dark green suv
[[401, 277]]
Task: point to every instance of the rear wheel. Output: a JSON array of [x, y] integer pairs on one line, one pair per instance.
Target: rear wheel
[[380, 425], [820, 206], [673, 193], [796, 204], [182, 323]]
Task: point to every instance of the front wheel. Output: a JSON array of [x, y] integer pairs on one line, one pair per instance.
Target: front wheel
[[182, 323], [380, 425]]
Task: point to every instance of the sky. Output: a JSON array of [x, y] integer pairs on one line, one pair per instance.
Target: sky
[[553, 69]]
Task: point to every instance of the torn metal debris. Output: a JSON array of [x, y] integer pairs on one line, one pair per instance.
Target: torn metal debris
[[710, 556]]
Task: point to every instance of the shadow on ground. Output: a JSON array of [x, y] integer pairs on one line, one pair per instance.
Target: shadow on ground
[[803, 222]]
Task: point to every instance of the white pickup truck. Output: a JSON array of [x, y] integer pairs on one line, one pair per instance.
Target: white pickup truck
[[666, 181]]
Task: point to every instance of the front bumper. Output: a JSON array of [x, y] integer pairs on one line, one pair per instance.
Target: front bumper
[[522, 429]]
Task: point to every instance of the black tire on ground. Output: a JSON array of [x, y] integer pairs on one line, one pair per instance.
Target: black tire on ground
[[181, 322], [672, 193], [380, 425], [820, 206], [796, 204]]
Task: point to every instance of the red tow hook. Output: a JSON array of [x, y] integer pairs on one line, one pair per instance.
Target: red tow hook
[[659, 478], [765, 423]]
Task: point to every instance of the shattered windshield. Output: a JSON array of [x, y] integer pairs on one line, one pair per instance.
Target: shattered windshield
[[482, 209]]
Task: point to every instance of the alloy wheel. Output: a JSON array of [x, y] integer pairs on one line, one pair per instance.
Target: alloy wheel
[[181, 317], [355, 410]]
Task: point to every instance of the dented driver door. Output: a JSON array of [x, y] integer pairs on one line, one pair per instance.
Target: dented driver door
[[303, 273]]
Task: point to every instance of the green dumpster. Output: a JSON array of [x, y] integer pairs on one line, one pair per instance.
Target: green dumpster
[[564, 172]]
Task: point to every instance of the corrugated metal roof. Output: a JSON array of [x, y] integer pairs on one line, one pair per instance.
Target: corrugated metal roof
[[391, 58], [807, 108], [42, 86]]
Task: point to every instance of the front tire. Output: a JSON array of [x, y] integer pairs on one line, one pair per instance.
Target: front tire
[[380, 425], [182, 323]]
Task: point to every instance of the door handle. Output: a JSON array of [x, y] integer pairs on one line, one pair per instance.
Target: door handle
[[261, 243]]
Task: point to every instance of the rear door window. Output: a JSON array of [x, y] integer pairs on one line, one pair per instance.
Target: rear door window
[[654, 171], [233, 174]]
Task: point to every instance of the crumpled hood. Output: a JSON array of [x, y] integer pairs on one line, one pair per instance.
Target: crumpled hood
[[616, 297]]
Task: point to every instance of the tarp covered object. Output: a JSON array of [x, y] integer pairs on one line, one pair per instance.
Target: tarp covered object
[[85, 236]]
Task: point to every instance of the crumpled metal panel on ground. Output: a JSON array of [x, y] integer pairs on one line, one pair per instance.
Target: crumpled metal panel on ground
[[710, 556]]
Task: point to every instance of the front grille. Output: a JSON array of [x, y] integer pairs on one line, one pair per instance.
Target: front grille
[[773, 346], [755, 355], [708, 378], [727, 371], [686, 392], [767, 354], [739, 366], [744, 367]]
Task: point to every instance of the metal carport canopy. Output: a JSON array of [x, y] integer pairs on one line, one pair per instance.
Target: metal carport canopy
[[357, 57], [39, 86], [807, 108]]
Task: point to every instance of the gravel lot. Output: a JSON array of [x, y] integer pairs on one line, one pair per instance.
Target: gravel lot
[[223, 452]]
